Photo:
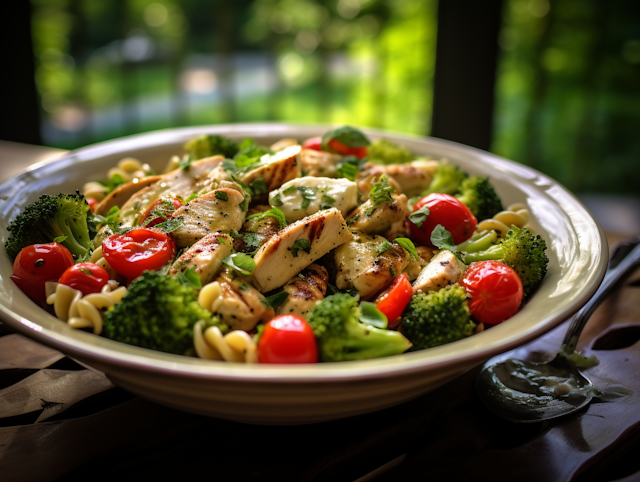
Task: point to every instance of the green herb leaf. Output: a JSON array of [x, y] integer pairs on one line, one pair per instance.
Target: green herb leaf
[[328, 200], [443, 239], [381, 191], [189, 277], [272, 213], [185, 163], [259, 186], [253, 240], [169, 225], [370, 315], [277, 200], [223, 196], [300, 245], [420, 216], [347, 135], [60, 239], [347, 170], [241, 263], [407, 244], [380, 247], [308, 194], [191, 197], [276, 300]]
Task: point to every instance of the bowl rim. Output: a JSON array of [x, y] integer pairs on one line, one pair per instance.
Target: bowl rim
[[116, 354]]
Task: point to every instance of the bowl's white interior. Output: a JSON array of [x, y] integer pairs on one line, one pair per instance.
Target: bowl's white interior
[[577, 253]]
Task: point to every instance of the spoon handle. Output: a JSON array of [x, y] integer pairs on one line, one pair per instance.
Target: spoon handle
[[611, 280]]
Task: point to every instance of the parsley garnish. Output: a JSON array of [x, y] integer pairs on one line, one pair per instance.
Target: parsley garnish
[[276, 300], [420, 216], [241, 263], [223, 196], [300, 245]]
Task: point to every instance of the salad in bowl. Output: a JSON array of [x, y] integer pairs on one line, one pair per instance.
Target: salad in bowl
[[326, 249]]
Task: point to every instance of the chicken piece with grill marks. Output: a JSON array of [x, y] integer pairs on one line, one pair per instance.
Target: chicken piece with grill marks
[[305, 290], [380, 219], [444, 269], [318, 163], [256, 230], [239, 304], [205, 257], [412, 178]]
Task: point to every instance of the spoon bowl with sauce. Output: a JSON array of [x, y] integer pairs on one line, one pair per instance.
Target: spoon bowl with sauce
[[526, 392]]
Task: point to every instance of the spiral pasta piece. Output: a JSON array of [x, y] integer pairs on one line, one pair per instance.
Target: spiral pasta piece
[[236, 346], [98, 258], [84, 312], [515, 214]]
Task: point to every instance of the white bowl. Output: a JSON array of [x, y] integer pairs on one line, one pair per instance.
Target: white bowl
[[268, 394]]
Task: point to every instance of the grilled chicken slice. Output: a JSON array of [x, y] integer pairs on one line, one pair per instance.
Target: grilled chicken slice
[[297, 246], [218, 210], [205, 257], [412, 178], [305, 290], [380, 219], [256, 231], [179, 182], [280, 168], [119, 195], [368, 263], [282, 143], [444, 269], [318, 163], [240, 304]]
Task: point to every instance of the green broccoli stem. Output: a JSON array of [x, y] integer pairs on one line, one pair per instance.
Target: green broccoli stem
[[479, 242], [362, 341], [493, 253]]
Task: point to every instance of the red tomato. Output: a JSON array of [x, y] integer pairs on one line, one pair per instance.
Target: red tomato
[[86, 277], [448, 211], [138, 250], [37, 264], [92, 203], [163, 206], [314, 143], [394, 299], [287, 339], [340, 148], [495, 289]]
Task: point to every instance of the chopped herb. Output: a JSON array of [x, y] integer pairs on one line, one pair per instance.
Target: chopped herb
[[240, 263], [253, 240], [300, 245], [276, 300], [381, 246], [420, 216], [308, 194], [347, 135], [113, 182], [277, 200], [244, 205], [185, 163], [407, 244], [60, 239], [170, 225], [381, 191], [259, 186], [328, 200], [189, 277], [289, 190], [191, 197], [272, 213], [442, 239], [244, 287], [229, 165], [223, 196]]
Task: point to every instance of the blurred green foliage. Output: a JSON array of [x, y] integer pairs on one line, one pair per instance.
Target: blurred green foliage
[[568, 91]]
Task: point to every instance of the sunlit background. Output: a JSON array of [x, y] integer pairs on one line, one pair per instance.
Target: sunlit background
[[567, 92]]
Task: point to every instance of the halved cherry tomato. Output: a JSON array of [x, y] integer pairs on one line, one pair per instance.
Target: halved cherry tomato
[[139, 250], [287, 339], [86, 277], [495, 289], [314, 143], [340, 148], [447, 211], [160, 211], [37, 264], [92, 203], [394, 299]]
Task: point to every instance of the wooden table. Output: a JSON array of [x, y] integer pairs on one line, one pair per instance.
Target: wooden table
[[59, 421]]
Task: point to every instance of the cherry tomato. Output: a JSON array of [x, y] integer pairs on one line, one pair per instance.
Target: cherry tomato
[[394, 299], [495, 289], [138, 250], [447, 211], [37, 264], [165, 207], [340, 148], [287, 339], [92, 203], [86, 277], [314, 143]]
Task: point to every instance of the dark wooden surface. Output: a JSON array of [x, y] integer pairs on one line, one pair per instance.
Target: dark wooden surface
[[59, 421]]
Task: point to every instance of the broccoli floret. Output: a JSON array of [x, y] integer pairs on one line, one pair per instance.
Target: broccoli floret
[[438, 317], [447, 180], [341, 336], [52, 217], [480, 197], [205, 146], [384, 151], [521, 250], [158, 312]]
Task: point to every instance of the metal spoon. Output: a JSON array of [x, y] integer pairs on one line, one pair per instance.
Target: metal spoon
[[527, 392]]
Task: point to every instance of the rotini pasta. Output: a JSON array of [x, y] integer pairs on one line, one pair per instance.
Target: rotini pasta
[[99, 259], [127, 168], [235, 346], [84, 311], [515, 214]]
